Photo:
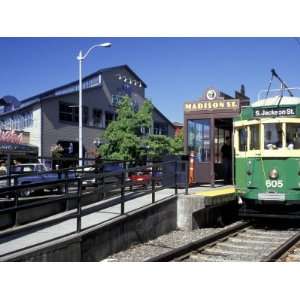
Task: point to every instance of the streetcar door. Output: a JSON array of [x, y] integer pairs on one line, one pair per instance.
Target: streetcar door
[[223, 136]]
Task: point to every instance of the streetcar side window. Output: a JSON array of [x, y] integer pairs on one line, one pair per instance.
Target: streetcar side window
[[242, 138], [254, 137], [293, 136], [273, 136]]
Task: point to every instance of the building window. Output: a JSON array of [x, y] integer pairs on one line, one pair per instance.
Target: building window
[[85, 112], [66, 112], [97, 118], [160, 128], [70, 113], [17, 121], [108, 118], [86, 84]]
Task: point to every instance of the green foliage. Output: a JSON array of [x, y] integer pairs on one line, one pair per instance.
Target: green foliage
[[177, 143], [158, 146], [125, 138]]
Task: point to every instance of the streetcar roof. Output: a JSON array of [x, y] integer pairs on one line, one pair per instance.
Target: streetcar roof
[[273, 101]]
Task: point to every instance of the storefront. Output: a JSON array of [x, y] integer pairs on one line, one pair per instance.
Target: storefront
[[207, 125]]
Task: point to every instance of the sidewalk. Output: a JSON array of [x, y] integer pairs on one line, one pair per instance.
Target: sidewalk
[[17, 241]]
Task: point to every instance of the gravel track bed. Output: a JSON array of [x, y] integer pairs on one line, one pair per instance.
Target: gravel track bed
[[241, 248], [162, 244]]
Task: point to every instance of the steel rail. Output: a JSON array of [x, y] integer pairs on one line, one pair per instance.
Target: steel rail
[[282, 249], [183, 250]]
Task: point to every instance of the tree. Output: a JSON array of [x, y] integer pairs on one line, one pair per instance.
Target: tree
[[177, 143], [128, 138], [158, 146], [123, 137]]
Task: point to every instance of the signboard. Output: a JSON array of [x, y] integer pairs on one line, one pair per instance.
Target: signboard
[[10, 137], [212, 105], [5, 148], [274, 112]]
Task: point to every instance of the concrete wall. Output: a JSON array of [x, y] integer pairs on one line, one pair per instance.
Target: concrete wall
[[196, 211], [97, 243]]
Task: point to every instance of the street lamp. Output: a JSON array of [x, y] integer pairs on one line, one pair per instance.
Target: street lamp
[[80, 59]]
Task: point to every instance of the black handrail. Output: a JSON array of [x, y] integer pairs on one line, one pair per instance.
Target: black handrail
[[101, 187]]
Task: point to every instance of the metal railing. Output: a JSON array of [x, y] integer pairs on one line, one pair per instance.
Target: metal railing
[[161, 175]]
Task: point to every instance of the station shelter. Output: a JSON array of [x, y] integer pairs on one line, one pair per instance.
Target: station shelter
[[208, 121]]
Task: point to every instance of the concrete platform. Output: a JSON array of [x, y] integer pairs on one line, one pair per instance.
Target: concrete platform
[[204, 205], [26, 239]]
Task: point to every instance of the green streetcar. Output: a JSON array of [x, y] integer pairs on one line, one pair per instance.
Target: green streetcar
[[267, 157]]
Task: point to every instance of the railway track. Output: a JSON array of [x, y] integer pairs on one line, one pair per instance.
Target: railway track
[[242, 242]]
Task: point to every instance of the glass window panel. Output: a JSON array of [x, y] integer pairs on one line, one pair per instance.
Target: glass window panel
[[97, 118], [293, 136], [108, 118], [242, 139], [199, 139], [254, 137], [273, 136], [85, 115]]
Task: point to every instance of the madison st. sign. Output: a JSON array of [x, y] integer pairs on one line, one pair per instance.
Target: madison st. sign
[[212, 105]]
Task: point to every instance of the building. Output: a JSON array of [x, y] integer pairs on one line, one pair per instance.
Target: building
[[178, 127], [207, 123], [51, 117]]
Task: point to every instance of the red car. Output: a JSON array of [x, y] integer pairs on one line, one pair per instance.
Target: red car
[[140, 179]]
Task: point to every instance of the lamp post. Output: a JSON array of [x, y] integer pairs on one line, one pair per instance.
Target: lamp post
[[80, 59]]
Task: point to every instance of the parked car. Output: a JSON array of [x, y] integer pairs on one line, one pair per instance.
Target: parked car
[[110, 167], [36, 174], [140, 179]]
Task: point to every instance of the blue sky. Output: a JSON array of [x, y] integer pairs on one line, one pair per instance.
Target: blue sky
[[175, 69]]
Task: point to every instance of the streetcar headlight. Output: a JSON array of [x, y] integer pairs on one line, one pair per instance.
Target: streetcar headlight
[[273, 174]]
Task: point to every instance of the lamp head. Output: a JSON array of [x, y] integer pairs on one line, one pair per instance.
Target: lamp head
[[105, 45]]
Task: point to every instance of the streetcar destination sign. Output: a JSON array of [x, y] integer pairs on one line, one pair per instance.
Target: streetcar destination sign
[[274, 112]]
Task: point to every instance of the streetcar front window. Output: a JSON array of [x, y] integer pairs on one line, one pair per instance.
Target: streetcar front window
[[293, 136], [254, 137], [273, 136], [242, 139]]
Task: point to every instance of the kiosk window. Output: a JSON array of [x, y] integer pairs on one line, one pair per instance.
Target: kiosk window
[[199, 139], [273, 136], [293, 136], [254, 137], [242, 139]]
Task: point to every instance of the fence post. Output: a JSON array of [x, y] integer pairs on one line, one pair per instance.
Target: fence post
[[16, 200], [187, 176], [79, 191], [123, 192], [175, 178], [67, 182], [153, 183]]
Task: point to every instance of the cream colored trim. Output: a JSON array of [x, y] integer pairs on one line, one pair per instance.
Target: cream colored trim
[[269, 153], [265, 120], [245, 122], [248, 137], [284, 135]]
